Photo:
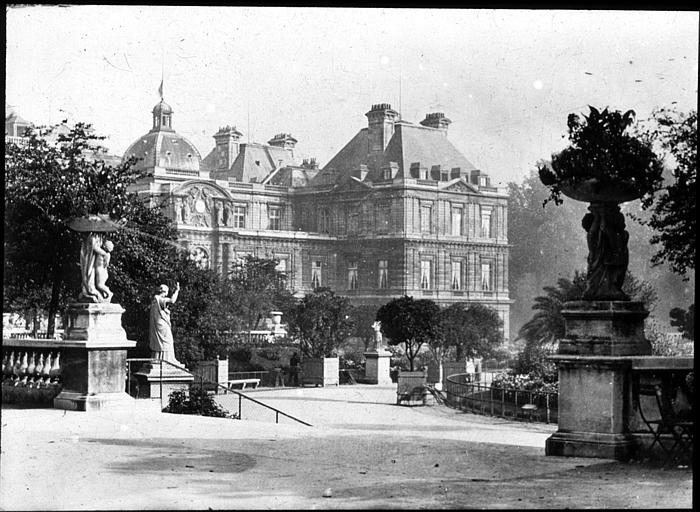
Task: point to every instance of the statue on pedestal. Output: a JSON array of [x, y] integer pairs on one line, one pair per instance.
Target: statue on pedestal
[[94, 260], [160, 332], [378, 343]]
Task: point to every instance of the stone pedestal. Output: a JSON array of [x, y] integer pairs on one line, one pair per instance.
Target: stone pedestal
[[378, 367], [594, 377], [592, 408], [324, 371], [604, 328], [156, 380], [94, 359]]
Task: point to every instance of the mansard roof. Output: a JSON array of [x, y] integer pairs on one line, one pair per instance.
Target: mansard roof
[[255, 162], [409, 144]]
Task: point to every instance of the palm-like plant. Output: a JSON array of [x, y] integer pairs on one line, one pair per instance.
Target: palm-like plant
[[547, 326]]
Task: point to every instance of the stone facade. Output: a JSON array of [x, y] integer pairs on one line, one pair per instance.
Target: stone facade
[[397, 211]]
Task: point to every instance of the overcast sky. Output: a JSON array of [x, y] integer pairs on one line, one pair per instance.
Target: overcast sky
[[506, 78]]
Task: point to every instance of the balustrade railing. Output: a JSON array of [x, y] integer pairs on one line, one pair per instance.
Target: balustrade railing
[[26, 369]]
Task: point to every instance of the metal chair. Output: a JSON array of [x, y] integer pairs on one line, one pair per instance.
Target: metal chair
[[670, 422]]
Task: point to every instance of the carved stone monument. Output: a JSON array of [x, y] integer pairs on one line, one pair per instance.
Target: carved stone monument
[[95, 344], [378, 360], [601, 331]]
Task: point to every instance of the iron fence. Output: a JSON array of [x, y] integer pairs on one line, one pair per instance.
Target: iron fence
[[516, 404]]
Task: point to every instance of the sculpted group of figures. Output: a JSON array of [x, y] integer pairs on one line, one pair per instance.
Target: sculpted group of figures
[[200, 208], [95, 254]]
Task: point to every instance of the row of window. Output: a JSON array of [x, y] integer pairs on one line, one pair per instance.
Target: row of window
[[426, 278], [324, 220], [427, 281]]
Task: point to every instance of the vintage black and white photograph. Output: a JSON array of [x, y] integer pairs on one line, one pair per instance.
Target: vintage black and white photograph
[[348, 258]]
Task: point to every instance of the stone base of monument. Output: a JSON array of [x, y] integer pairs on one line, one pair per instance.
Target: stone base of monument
[[378, 367], [156, 380], [594, 376], [93, 359], [604, 328]]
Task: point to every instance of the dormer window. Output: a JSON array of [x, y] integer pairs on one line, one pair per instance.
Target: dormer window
[[387, 174]]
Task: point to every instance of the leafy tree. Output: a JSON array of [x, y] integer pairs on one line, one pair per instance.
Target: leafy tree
[[409, 322], [546, 241], [673, 210], [261, 289], [55, 174], [684, 320], [472, 331], [321, 321], [363, 317]]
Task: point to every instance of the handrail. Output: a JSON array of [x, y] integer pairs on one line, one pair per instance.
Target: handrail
[[260, 403]]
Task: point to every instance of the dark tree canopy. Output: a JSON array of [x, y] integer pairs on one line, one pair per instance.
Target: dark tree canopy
[[363, 317], [261, 289], [471, 331], [55, 174], [321, 321], [684, 321], [673, 210], [409, 322]]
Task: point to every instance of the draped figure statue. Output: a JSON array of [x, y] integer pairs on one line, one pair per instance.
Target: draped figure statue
[[160, 332]]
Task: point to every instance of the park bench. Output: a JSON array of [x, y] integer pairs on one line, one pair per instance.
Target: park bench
[[243, 383]]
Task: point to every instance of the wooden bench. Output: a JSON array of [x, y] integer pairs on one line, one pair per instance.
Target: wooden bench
[[243, 382]]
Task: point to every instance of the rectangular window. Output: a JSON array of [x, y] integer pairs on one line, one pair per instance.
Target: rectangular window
[[316, 277], [456, 221], [425, 218], [425, 275], [275, 217], [382, 218], [386, 174], [456, 275], [486, 223], [282, 268], [485, 276], [352, 275], [383, 274], [239, 217]]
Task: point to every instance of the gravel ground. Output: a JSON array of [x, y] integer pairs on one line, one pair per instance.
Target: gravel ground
[[367, 452]]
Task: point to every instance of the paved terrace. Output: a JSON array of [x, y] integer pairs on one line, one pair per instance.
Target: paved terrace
[[369, 452]]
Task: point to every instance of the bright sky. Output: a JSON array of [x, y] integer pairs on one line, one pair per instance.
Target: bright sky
[[506, 78]]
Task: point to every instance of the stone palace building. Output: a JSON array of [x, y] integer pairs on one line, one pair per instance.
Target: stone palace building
[[398, 210]]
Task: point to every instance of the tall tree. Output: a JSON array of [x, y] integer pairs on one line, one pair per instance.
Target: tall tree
[[409, 322], [321, 321], [472, 331], [261, 289], [673, 210], [55, 174]]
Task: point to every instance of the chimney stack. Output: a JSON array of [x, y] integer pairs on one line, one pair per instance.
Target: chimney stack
[[227, 146], [381, 119], [284, 141], [436, 120]]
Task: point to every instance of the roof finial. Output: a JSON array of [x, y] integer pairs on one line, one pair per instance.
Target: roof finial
[[162, 68]]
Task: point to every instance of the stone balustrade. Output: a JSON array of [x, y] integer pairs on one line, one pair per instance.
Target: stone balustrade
[[32, 370]]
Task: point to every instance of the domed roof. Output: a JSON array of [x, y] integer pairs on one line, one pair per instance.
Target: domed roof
[[162, 108], [163, 146], [166, 149]]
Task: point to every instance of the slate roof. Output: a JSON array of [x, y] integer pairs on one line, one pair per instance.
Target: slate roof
[[166, 149], [255, 162], [410, 143]]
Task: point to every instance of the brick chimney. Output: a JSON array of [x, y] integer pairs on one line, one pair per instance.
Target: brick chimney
[[227, 146], [284, 141], [381, 118], [436, 120]]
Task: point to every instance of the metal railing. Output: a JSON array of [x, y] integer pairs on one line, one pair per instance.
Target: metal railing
[[245, 406], [230, 399], [516, 404]]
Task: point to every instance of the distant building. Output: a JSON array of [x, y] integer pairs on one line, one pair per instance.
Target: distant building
[[399, 210]]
